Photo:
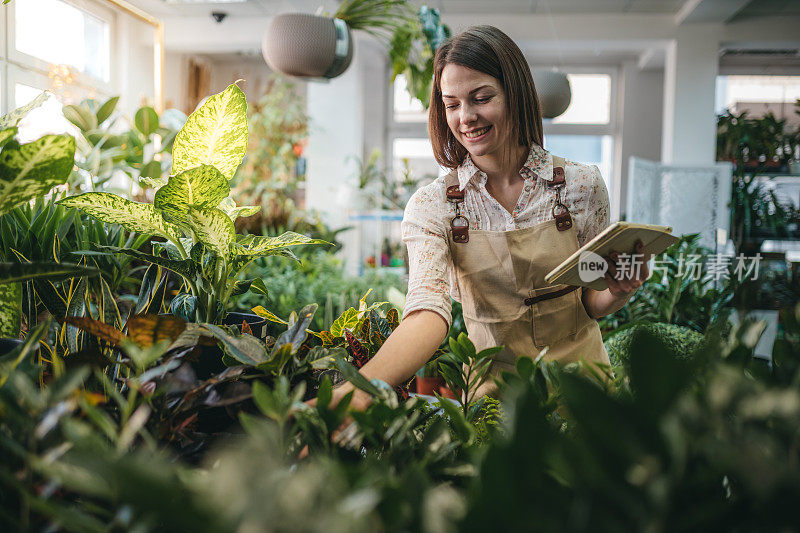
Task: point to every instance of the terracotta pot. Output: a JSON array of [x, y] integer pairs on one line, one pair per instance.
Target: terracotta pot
[[428, 386], [445, 391]]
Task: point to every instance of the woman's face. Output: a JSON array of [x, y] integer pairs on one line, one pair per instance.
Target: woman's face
[[475, 107]]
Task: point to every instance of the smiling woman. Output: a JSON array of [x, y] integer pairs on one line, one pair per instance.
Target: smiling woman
[[487, 232]]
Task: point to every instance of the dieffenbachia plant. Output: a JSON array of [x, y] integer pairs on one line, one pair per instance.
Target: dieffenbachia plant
[[27, 171], [193, 213]]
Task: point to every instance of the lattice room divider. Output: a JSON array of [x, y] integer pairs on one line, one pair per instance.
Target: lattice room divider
[[690, 199]]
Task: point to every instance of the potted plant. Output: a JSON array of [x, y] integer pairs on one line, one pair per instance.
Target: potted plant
[[27, 171], [412, 48], [428, 379], [319, 46], [194, 215]]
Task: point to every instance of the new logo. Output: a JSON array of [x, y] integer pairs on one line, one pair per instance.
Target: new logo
[[591, 266]]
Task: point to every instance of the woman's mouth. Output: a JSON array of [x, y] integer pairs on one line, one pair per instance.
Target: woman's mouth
[[476, 135]]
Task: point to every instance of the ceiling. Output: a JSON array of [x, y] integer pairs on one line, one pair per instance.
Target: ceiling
[[271, 7]]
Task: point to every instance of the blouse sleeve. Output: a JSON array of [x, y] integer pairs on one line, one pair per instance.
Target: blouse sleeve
[[595, 207], [425, 236]]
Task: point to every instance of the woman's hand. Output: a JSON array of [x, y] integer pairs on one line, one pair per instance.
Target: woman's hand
[[360, 401], [631, 275]]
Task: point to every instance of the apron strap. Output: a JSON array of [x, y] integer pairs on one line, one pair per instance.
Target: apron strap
[[560, 212], [459, 224], [550, 295]]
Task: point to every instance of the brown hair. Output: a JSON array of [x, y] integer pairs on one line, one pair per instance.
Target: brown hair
[[488, 50]]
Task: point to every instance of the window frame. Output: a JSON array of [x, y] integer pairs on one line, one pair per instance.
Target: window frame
[[395, 129], [23, 62]]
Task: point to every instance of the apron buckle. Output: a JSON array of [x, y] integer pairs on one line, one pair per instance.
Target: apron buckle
[[563, 218], [459, 226]]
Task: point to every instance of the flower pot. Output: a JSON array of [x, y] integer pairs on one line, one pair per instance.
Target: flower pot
[[209, 361], [428, 386], [300, 44], [445, 392]]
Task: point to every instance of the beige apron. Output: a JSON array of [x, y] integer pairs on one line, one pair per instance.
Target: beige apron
[[500, 273]]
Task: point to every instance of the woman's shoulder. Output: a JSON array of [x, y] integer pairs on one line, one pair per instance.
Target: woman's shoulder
[[429, 196], [582, 172]]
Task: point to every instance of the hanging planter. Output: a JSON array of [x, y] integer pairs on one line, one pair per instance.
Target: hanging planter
[[299, 44], [312, 46], [553, 90]]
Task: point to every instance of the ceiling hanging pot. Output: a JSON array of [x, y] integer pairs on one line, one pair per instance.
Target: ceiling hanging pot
[[553, 90], [300, 44]]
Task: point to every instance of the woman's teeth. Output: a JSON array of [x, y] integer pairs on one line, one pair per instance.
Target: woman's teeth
[[476, 133]]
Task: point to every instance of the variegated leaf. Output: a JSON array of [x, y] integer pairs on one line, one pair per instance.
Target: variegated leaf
[[201, 187], [234, 212], [15, 272], [213, 228], [32, 169], [215, 134], [185, 267], [13, 118], [133, 216], [6, 135], [10, 309], [257, 245]]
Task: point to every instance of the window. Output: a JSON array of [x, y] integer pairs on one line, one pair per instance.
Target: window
[[591, 100], [589, 149], [406, 108], [759, 95], [59, 33]]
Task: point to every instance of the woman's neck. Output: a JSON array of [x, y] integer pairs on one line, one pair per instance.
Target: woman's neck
[[502, 170]]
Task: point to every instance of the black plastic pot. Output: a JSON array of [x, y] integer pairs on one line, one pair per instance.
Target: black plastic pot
[[9, 345], [210, 361]]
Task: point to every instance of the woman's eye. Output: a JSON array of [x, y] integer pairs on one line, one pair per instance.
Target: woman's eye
[[483, 100], [451, 106]]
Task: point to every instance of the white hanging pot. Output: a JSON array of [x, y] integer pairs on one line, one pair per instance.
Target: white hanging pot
[[300, 44], [553, 90]]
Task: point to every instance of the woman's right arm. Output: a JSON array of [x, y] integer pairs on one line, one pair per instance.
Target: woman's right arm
[[409, 347], [427, 311]]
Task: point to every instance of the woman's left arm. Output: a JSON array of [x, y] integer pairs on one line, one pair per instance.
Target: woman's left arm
[[622, 284]]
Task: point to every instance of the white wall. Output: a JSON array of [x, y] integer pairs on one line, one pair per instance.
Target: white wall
[[134, 64], [640, 98]]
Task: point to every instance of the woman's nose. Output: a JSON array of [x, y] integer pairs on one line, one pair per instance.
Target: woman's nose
[[468, 114]]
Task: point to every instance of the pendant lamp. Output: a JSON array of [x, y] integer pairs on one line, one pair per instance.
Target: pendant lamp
[[553, 90], [301, 44]]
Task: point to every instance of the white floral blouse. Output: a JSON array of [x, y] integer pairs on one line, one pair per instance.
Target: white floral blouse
[[431, 280]]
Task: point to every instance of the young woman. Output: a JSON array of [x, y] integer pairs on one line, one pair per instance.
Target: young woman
[[488, 232]]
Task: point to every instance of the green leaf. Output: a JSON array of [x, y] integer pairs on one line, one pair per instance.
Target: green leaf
[[10, 309], [201, 187], [228, 205], [146, 121], [106, 109], [246, 349], [15, 272], [213, 228], [458, 351], [263, 313], [215, 134], [347, 320], [133, 216], [258, 245], [32, 169], [461, 427], [6, 135], [151, 171], [12, 119], [356, 378], [296, 334], [81, 116], [184, 306], [257, 287], [185, 268]]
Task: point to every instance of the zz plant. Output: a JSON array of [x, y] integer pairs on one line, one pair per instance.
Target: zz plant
[[194, 215]]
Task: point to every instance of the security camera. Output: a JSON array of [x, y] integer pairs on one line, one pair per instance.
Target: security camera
[[219, 16]]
